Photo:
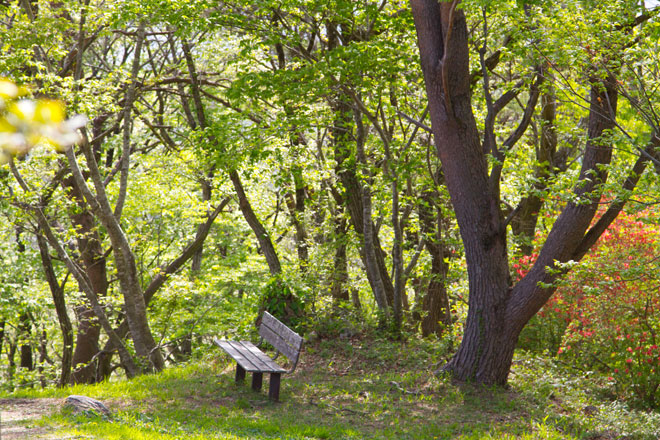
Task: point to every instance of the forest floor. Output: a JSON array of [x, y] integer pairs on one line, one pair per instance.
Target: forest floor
[[357, 388], [18, 416]]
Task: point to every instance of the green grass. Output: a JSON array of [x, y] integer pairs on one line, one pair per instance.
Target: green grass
[[360, 389]]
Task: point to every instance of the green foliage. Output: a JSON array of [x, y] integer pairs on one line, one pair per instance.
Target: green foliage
[[604, 315], [284, 301], [269, 76]]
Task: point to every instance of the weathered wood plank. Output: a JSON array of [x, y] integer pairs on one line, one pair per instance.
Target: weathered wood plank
[[249, 357], [281, 337], [278, 343], [259, 358], [292, 338], [236, 353]]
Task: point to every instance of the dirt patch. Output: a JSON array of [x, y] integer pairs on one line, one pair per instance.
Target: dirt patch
[[17, 417]]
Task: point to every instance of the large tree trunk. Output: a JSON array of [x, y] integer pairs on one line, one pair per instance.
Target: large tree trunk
[[94, 264], [129, 282], [497, 310], [484, 349], [87, 346]]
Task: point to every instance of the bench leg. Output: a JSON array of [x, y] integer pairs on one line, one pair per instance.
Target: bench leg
[[257, 380], [274, 388], [240, 374]]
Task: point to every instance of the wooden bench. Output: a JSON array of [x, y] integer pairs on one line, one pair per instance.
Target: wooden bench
[[250, 358]]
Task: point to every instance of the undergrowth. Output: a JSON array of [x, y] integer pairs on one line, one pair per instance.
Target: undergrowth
[[356, 388]]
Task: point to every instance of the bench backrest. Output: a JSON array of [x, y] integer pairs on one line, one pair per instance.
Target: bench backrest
[[281, 337]]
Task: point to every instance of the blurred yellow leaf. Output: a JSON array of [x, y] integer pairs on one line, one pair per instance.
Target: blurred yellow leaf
[[23, 109], [5, 126], [49, 112], [26, 122], [8, 89]]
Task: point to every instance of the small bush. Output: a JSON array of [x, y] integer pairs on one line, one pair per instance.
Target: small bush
[[281, 300]]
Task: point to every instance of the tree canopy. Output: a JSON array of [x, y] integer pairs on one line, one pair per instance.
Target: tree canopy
[[388, 162]]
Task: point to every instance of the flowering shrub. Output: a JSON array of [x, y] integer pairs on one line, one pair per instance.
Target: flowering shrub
[[604, 315]]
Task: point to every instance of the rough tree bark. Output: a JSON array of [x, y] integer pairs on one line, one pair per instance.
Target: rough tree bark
[[93, 261], [339, 277], [25, 329], [129, 281], [498, 310]]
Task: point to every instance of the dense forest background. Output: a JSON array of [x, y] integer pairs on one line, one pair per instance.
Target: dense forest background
[[242, 156]]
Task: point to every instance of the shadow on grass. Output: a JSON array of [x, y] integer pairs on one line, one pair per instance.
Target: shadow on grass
[[350, 390]]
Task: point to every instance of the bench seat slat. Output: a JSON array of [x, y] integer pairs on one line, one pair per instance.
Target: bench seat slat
[[249, 357]]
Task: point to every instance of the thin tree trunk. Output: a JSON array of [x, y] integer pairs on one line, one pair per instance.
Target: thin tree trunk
[[25, 321], [200, 114], [257, 227], [339, 277], [25, 333], [296, 205], [435, 304], [370, 255], [524, 223], [397, 258], [251, 218], [207, 192], [11, 359], [375, 266], [2, 334], [43, 357], [57, 292], [368, 230]]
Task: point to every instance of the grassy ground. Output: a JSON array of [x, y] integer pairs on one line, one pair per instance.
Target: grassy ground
[[353, 389]]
